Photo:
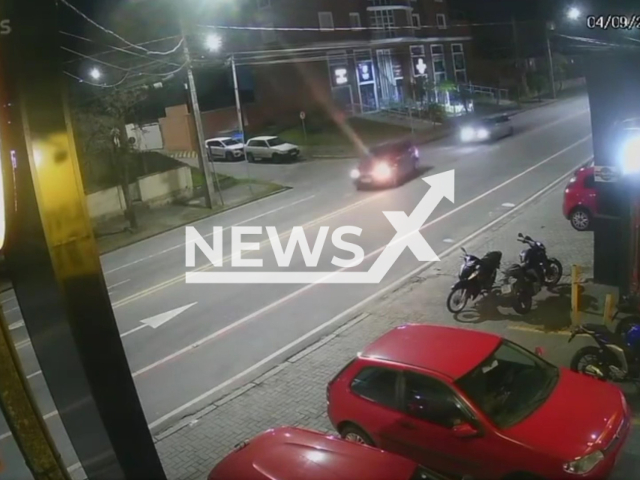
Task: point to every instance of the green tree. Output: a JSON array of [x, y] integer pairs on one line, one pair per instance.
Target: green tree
[[538, 83], [101, 132]]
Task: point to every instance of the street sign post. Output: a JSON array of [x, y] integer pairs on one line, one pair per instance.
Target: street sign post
[[303, 115]]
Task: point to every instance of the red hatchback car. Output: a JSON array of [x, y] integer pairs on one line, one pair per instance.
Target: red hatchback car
[[289, 453], [579, 204], [468, 402]]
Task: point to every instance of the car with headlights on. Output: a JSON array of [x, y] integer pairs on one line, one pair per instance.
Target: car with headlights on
[[386, 165], [487, 129], [290, 453], [271, 148], [224, 148], [467, 402]]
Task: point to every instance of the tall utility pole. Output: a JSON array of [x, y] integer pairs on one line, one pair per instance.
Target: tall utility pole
[[549, 26], [516, 54], [236, 89], [203, 158]]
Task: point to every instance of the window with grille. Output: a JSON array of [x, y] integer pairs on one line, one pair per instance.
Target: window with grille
[[354, 20], [383, 23], [459, 64]]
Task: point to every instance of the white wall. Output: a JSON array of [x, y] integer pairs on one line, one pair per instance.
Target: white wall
[[106, 203], [148, 136], [166, 186], [157, 189]]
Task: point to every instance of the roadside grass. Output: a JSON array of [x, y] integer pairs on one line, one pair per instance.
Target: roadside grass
[[369, 132]]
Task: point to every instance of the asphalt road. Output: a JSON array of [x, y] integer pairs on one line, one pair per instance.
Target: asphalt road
[[222, 336]]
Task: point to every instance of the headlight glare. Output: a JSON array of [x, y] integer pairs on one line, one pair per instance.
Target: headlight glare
[[355, 174], [585, 464], [483, 133], [467, 134], [382, 171]]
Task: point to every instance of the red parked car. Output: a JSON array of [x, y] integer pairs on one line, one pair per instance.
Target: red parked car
[[289, 453], [468, 402], [579, 204]]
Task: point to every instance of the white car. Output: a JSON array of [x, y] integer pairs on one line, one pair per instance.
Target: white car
[[487, 129], [271, 148], [224, 147]]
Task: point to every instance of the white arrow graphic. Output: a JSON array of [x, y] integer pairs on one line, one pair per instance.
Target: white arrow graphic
[[407, 236], [158, 320]]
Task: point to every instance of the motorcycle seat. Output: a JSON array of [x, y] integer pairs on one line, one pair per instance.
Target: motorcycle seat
[[596, 328]]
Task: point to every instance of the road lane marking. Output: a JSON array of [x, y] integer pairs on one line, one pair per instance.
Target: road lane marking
[[351, 310], [118, 284], [181, 277], [15, 325], [142, 259], [346, 312]]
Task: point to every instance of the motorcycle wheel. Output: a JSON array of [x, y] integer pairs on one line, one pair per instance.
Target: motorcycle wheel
[[553, 273], [625, 324], [522, 301], [589, 356], [461, 295]]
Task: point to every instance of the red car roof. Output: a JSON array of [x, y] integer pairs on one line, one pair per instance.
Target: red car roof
[[290, 453], [450, 351]]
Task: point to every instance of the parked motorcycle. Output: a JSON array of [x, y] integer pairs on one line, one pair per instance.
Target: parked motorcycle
[[521, 284], [477, 275], [547, 269], [615, 358]]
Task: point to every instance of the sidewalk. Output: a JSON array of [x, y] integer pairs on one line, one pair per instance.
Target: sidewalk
[[293, 393], [113, 234]]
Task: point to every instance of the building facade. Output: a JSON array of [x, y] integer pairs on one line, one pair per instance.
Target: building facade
[[356, 55]]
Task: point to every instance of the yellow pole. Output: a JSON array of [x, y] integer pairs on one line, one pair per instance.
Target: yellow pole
[[609, 303], [575, 294], [23, 416]]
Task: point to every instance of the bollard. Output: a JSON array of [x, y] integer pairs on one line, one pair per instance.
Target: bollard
[[609, 304], [575, 294]]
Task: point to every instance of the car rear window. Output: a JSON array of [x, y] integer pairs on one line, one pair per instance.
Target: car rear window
[[376, 384], [590, 181]]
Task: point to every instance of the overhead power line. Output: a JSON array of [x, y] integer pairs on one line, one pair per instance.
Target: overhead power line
[[122, 39], [117, 49]]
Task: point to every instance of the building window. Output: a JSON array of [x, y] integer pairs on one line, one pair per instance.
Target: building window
[[439, 66], [441, 20], [383, 23], [354, 20], [459, 64], [416, 20], [326, 20], [418, 60], [264, 3], [268, 36], [381, 3]]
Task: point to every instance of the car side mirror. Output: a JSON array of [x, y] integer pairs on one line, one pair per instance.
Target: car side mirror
[[539, 351], [465, 430]]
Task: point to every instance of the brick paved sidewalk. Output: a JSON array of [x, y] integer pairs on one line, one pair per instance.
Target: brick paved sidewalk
[[294, 392]]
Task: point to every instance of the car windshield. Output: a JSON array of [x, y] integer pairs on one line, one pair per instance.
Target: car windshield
[[274, 142], [230, 141], [510, 384]]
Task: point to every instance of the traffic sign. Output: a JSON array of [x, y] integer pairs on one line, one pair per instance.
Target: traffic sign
[[303, 115]]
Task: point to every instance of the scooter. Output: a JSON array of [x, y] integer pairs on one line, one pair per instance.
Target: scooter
[[476, 276]]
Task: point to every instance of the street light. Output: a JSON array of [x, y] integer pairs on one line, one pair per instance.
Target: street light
[[213, 42], [95, 73], [573, 13]]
